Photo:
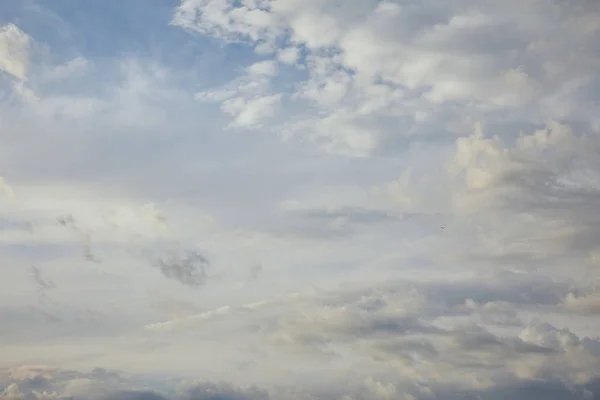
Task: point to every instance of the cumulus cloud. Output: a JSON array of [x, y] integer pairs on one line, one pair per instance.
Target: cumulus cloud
[[368, 61], [547, 183]]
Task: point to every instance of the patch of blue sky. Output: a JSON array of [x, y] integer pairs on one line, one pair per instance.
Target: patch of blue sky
[[104, 31]]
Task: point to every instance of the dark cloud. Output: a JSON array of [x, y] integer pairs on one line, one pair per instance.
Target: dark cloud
[[188, 268]]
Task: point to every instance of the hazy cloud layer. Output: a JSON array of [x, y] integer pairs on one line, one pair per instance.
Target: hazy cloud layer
[[283, 199]]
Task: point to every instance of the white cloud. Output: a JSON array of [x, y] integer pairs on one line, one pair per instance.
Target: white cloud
[[76, 65], [250, 113], [289, 55], [266, 68], [248, 99], [438, 55], [14, 51]]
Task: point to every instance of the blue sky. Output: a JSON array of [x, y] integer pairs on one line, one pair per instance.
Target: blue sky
[[291, 199]]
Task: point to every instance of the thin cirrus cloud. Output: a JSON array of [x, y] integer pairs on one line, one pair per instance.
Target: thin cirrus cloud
[[300, 199]]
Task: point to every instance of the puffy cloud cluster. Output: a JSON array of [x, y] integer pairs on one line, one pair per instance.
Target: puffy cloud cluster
[[533, 197], [475, 331], [380, 71], [483, 336]]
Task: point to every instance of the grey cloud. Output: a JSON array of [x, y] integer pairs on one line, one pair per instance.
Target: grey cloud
[[547, 182], [30, 325], [10, 224], [348, 323], [69, 222], [390, 325], [42, 283], [357, 215], [66, 220], [339, 222], [29, 383], [513, 289], [135, 395], [406, 324], [63, 383], [188, 268], [526, 390], [77, 385], [467, 349], [477, 340], [344, 221], [582, 302], [103, 374], [224, 391], [406, 349], [484, 340], [255, 271]]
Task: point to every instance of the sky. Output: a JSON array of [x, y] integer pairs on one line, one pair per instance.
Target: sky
[[285, 199]]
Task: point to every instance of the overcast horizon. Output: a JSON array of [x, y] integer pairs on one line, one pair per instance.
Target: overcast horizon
[[285, 199]]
